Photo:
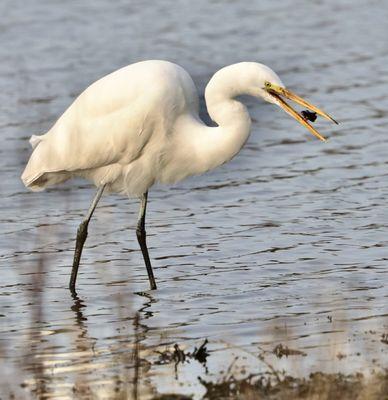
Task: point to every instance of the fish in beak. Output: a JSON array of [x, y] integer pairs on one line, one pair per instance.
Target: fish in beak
[[278, 92]]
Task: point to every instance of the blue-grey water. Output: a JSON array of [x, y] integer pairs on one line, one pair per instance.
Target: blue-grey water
[[285, 244]]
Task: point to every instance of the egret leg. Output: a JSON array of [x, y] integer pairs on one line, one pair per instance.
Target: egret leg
[[141, 238], [82, 233]]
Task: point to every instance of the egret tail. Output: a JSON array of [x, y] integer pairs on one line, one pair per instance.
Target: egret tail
[[44, 166]]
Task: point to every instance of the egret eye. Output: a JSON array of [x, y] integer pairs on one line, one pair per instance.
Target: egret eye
[[267, 84]]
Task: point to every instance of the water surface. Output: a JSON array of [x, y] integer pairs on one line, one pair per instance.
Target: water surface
[[285, 244]]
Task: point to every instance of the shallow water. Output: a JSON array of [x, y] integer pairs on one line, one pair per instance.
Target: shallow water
[[285, 244]]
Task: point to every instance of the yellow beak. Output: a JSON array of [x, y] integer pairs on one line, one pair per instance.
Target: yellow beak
[[278, 91]]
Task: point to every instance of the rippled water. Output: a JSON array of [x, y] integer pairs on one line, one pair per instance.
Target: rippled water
[[285, 244]]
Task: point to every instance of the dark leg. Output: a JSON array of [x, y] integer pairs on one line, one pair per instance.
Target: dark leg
[[141, 237], [82, 233]]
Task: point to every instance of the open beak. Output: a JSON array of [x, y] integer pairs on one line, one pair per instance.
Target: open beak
[[278, 91]]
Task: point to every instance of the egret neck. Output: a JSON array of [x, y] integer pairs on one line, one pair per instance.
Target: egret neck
[[217, 145]]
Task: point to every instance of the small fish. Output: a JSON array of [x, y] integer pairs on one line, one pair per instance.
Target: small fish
[[309, 116]]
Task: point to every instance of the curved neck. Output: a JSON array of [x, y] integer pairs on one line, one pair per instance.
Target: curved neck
[[199, 148], [220, 144]]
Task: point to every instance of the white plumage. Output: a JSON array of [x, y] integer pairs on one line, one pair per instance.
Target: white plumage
[[140, 125]]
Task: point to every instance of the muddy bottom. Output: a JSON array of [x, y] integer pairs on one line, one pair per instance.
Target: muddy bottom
[[273, 384], [318, 386]]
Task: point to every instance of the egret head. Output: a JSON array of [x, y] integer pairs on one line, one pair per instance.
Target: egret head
[[271, 89]]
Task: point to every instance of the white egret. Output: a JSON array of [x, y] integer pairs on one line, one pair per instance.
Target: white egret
[[140, 125]]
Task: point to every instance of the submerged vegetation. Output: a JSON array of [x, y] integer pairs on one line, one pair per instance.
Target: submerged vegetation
[[318, 386], [277, 385], [271, 384]]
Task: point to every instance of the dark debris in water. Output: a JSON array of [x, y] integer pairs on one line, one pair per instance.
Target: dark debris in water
[[281, 350], [180, 356], [201, 353], [384, 338]]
